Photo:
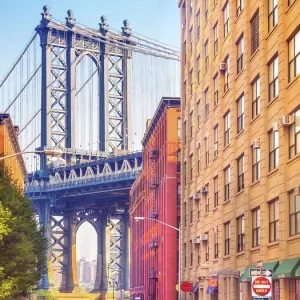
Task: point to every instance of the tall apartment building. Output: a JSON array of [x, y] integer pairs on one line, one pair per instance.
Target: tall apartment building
[[240, 105], [155, 195]]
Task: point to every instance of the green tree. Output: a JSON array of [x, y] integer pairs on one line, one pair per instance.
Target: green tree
[[22, 245], [46, 294]]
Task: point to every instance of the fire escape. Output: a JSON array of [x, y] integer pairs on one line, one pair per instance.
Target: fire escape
[[153, 244]]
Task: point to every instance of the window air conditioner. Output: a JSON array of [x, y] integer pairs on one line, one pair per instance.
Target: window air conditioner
[[204, 189], [222, 67], [203, 237], [196, 196], [256, 144], [287, 120], [196, 240]]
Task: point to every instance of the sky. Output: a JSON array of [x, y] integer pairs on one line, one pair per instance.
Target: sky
[[158, 19]]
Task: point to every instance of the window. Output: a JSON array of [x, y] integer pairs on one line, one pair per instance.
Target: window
[[294, 56], [198, 25], [206, 151], [184, 51], [216, 87], [294, 213], [178, 194], [226, 19], [184, 213], [227, 183], [178, 160], [184, 173], [274, 220], [191, 253], [256, 227], [206, 97], [255, 33], [239, 6], [191, 167], [240, 54], [255, 97], [184, 254], [273, 79], [184, 133], [207, 248], [179, 127], [241, 234], [206, 55], [191, 124], [274, 150], [227, 238], [199, 159], [216, 140], [191, 80], [207, 199], [199, 254], [191, 39], [216, 39], [206, 10], [216, 240], [294, 133], [241, 171], [227, 129], [199, 209], [183, 15], [216, 191], [191, 210], [226, 75], [184, 93], [191, 7], [198, 69], [273, 13], [255, 164], [240, 112], [198, 113]]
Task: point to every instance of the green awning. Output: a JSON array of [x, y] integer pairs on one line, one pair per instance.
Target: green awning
[[267, 266], [287, 268]]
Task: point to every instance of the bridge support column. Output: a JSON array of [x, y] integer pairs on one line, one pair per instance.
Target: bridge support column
[[126, 275], [71, 281], [44, 215]]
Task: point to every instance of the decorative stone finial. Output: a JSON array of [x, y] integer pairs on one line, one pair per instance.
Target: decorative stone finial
[[126, 30], [70, 20], [46, 16], [104, 27]]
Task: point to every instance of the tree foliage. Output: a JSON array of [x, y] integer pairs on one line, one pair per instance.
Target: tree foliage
[[22, 245]]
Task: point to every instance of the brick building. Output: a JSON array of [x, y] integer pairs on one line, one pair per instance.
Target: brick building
[[155, 194], [240, 106], [9, 145]]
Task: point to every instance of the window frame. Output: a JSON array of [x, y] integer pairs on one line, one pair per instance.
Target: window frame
[[198, 25], [227, 238], [198, 69], [206, 53], [226, 19], [207, 247], [207, 199], [216, 191], [240, 53], [256, 164], [239, 7], [216, 39], [274, 221], [241, 233], [255, 87], [191, 167], [256, 217], [206, 142], [295, 56], [216, 90], [216, 140], [273, 150], [226, 75], [241, 173], [198, 113], [272, 14], [206, 8], [227, 183], [216, 242], [240, 113], [254, 32], [191, 124], [294, 135], [273, 80], [191, 210], [293, 200], [206, 99], [227, 129]]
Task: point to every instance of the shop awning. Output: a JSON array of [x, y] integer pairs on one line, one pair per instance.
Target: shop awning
[[267, 266], [195, 287], [287, 268]]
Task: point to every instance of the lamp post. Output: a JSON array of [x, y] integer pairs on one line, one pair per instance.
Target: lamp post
[[179, 252], [53, 152]]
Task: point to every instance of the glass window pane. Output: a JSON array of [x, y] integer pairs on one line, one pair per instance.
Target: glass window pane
[[297, 43], [298, 64], [298, 222], [258, 218], [276, 139], [291, 49], [276, 67], [292, 224], [277, 230], [297, 202], [292, 203], [276, 210]]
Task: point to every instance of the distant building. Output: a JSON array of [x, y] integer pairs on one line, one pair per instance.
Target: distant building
[[93, 270], [240, 91], [9, 145], [156, 194]]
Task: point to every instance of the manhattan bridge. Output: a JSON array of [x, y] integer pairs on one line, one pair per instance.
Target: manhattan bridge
[[87, 92]]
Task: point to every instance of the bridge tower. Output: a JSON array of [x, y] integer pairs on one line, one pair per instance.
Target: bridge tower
[[63, 46]]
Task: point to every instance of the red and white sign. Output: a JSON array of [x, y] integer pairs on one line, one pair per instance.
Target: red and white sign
[[261, 286]]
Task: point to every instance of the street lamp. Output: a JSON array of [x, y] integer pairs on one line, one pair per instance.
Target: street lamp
[[179, 252], [53, 152]]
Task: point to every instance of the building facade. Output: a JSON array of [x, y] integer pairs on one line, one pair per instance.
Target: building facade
[[155, 195], [9, 145], [240, 82]]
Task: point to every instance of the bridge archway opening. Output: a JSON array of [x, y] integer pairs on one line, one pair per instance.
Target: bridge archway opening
[[86, 255], [87, 104]]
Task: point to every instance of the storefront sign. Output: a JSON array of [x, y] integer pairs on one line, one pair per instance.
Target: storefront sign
[[261, 286]]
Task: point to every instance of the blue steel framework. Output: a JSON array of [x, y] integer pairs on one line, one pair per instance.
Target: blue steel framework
[[96, 191]]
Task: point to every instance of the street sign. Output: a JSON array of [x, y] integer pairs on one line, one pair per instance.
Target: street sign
[[257, 272], [261, 286], [186, 286], [259, 264]]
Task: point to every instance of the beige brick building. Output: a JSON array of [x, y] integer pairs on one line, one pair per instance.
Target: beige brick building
[[240, 146]]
